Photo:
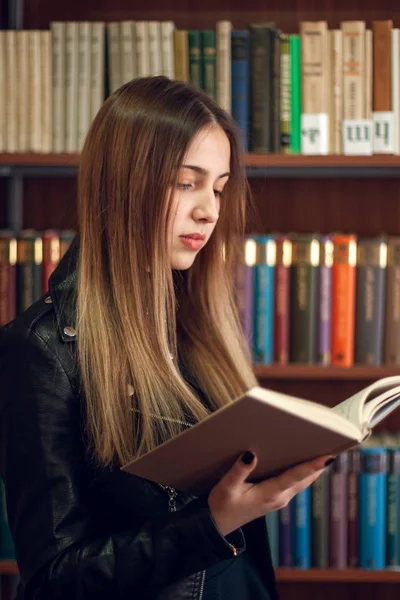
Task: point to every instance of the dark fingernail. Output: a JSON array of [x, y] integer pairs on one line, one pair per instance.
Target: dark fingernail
[[247, 457], [329, 462]]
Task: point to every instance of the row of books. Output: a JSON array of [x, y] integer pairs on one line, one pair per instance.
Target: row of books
[[321, 299], [349, 517], [318, 91], [27, 260]]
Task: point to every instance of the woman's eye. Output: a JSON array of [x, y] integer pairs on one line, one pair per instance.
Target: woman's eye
[[185, 186], [218, 193]]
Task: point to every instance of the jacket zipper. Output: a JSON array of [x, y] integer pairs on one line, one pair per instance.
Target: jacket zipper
[[172, 494], [203, 578]]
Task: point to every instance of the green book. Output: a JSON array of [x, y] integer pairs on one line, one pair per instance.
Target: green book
[[295, 85], [195, 60], [29, 268], [209, 62]]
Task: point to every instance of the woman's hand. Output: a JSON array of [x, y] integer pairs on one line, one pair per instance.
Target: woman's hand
[[233, 502]]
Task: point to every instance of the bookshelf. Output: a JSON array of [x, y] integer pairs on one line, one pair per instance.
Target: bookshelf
[[292, 193]]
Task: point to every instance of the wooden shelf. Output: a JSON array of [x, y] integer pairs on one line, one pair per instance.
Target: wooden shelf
[[8, 567], [31, 159], [337, 576], [296, 371]]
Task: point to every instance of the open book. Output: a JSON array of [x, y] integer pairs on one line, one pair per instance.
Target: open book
[[282, 430]]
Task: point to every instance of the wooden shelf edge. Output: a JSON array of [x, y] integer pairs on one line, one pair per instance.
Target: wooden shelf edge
[[315, 372], [252, 160], [8, 567], [337, 575]]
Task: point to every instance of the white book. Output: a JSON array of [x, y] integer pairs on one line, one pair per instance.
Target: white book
[[155, 58], [395, 89], [3, 92], [84, 75], [167, 48], [128, 57], [282, 430], [23, 90], [142, 48], [46, 95], [114, 56], [11, 92], [97, 68], [224, 66], [71, 87], [58, 84], [35, 92], [368, 74]]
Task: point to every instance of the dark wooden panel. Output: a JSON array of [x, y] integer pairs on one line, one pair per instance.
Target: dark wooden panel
[[366, 207], [50, 203], [287, 14], [332, 591]]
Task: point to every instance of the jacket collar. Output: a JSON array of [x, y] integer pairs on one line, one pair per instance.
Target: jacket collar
[[62, 288]]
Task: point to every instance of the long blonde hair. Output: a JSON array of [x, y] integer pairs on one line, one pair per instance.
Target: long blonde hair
[[133, 312]]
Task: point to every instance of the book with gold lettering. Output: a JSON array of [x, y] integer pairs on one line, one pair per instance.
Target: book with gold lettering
[[281, 430]]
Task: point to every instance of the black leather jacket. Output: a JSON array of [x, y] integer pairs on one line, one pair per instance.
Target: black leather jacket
[[81, 532]]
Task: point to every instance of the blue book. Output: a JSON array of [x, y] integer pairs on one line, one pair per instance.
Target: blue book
[[286, 535], [240, 45], [393, 509], [272, 520], [302, 529], [373, 507], [263, 307], [6, 543]]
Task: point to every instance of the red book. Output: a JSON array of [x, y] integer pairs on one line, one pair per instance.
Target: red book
[[282, 298], [8, 261], [51, 255]]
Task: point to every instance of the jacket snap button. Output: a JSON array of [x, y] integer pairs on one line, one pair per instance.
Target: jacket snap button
[[48, 300], [70, 331]]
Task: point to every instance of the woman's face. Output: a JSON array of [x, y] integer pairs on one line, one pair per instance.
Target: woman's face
[[197, 197]]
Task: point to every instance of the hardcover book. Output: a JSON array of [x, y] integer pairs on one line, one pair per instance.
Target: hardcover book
[[282, 430]]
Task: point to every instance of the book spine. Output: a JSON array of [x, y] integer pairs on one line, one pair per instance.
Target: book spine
[[22, 90], [29, 269], [3, 92], [272, 520], [368, 74], [373, 507], [8, 261], [127, 51], [181, 55], [195, 64], [224, 59], [58, 84], [370, 296], [97, 67], [167, 47], [338, 515], [282, 299], [382, 38], [393, 509], [304, 300], [142, 48], [276, 92], [71, 86], [286, 535], [336, 90], [244, 284], [263, 311], [325, 301], [392, 312], [320, 521], [261, 61], [353, 70], [302, 554], [395, 88], [7, 551], [84, 73], [155, 58], [296, 93], [353, 512], [343, 299], [285, 87], [209, 62], [114, 56], [241, 83], [11, 122], [51, 256]]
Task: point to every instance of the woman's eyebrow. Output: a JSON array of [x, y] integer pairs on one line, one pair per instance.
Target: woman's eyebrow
[[202, 171]]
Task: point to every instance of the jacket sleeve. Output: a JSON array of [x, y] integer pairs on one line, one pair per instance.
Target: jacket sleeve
[[43, 463]]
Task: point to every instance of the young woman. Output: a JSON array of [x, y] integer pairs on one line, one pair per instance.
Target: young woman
[[137, 338]]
